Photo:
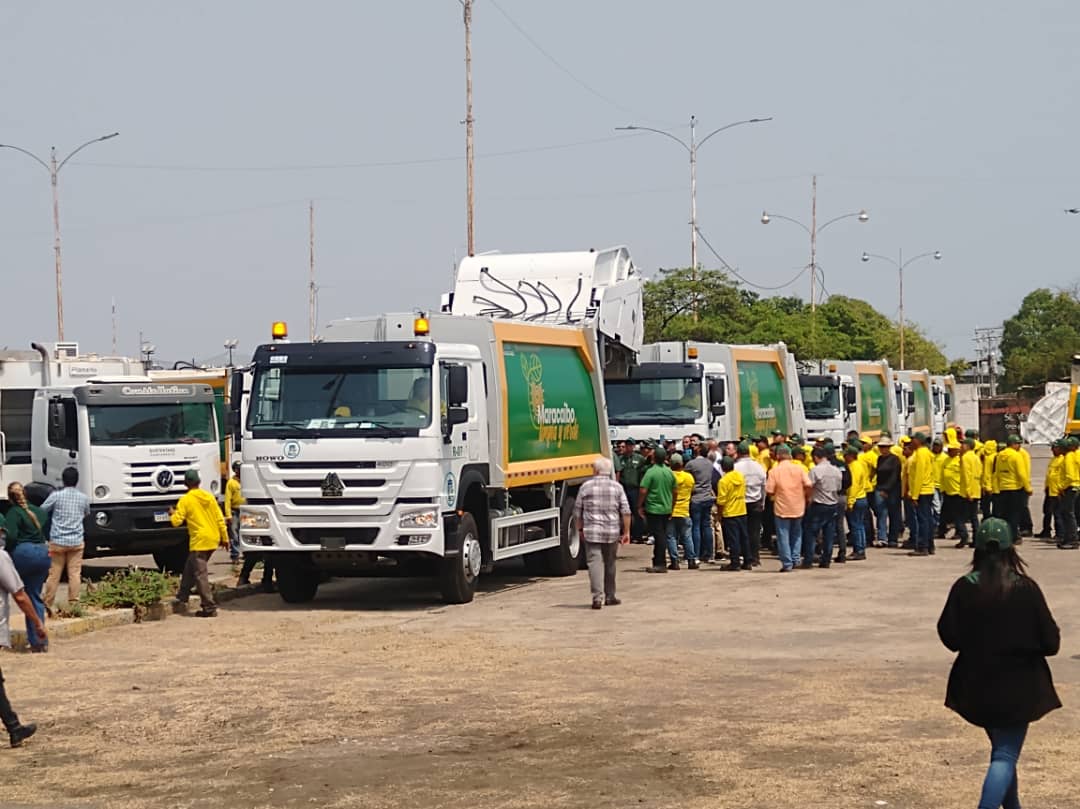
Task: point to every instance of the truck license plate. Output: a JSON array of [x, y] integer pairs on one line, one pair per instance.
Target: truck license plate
[[161, 516], [333, 543]]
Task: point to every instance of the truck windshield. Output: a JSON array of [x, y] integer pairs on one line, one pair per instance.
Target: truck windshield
[[167, 423], [821, 401], [304, 399], [653, 401]]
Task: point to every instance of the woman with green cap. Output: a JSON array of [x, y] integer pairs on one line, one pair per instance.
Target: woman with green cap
[[998, 621]]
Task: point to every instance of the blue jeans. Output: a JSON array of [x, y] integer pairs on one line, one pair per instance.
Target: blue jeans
[[924, 511], [701, 529], [911, 520], [234, 538], [821, 518], [1000, 787], [857, 522], [788, 540], [679, 532], [32, 562]]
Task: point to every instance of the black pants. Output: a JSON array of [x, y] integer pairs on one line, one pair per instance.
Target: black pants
[[7, 714], [251, 559], [1027, 525], [658, 524], [1049, 517], [1067, 512], [637, 525], [1010, 506], [755, 514], [841, 527], [768, 524]]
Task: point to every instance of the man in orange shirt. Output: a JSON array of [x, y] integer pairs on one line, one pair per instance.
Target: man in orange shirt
[[788, 484]]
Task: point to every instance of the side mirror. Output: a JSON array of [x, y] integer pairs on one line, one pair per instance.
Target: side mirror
[[850, 404], [948, 401], [456, 415], [911, 402], [457, 388], [56, 416], [717, 405], [232, 421]]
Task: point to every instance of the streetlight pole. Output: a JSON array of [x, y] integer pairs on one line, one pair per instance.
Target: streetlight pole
[[692, 149], [53, 167], [900, 264]]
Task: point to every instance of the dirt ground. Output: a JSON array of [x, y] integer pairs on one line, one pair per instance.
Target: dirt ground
[[821, 688]]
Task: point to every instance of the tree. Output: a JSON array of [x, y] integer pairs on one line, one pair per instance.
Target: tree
[[1038, 342]]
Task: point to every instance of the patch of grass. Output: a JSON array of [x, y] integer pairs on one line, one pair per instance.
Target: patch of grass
[[133, 587], [73, 609]]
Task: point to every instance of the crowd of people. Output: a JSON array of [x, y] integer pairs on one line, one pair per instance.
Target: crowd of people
[[703, 502]]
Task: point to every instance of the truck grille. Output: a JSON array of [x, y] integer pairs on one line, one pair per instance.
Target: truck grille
[[352, 536], [142, 479]]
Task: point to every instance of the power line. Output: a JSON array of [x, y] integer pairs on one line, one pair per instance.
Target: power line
[[369, 165], [733, 271]]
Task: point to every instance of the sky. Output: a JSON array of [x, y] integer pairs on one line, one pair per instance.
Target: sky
[[953, 124]]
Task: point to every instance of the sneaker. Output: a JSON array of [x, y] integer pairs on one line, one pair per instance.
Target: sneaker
[[649, 541], [840, 560], [858, 557], [692, 565], [612, 601]]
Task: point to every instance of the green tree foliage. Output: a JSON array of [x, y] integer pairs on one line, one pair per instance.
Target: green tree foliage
[[1039, 340], [843, 328]]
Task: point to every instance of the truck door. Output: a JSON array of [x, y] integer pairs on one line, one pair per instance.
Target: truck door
[[61, 447], [459, 425]]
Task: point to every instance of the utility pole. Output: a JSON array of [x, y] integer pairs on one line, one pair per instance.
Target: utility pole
[[311, 270], [813, 250], [114, 327], [991, 337], [693, 208], [469, 163]]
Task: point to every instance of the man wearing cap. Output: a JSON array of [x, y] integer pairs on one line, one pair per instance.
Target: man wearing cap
[[1052, 493], [921, 493], [868, 454], [970, 484], [937, 449], [1070, 486], [1013, 484], [989, 457], [233, 500], [656, 500], [754, 476], [953, 504], [701, 504], [631, 467], [788, 484], [1027, 526], [206, 531], [887, 494], [680, 531], [974, 436], [821, 514]]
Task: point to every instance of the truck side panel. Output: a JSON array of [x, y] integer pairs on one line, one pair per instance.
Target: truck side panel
[[762, 395], [873, 402]]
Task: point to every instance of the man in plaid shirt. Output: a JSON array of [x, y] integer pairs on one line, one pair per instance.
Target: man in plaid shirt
[[66, 509], [603, 518]]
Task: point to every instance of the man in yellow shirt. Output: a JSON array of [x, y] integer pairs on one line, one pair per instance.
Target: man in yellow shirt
[[920, 492], [731, 500], [989, 456], [680, 529], [1012, 485], [1027, 526], [856, 501], [1052, 493], [233, 500], [868, 454], [970, 485], [206, 531], [1070, 485], [952, 500]]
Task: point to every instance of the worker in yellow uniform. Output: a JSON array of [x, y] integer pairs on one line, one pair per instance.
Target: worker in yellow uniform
[[937, 449], [910, 523], [233, 500], [1012, 485], [206, 531], [856, 501], [1027, 526], [1070, 481], [868, 454], [731, 500], [921, 493], [970, 484], [1052, 492], [989, 456], [974, 436], [952, 500]]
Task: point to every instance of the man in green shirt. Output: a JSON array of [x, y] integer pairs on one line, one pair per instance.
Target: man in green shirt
[[655, 501], [631, 466]]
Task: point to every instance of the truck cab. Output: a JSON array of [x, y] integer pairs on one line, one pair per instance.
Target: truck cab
[[830, 403]]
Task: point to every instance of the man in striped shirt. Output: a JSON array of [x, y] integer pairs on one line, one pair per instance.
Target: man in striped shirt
[[603, 520], [67, 509]]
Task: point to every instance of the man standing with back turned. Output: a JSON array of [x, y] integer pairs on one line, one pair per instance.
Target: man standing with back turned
[[206, 531], [603, 518], [11, 585]]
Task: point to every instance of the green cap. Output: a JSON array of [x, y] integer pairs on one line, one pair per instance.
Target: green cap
[[796, 439], [1073, 442], [629, 441], [777, 432], [969, 442], [660, 454], [920, 437], [743, 448], [1013, 439], [994, 530], [191, 476], [676, 459], [971, 434], [727, 463]]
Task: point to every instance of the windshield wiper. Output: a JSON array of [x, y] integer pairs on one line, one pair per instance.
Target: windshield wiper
[[650, 417]]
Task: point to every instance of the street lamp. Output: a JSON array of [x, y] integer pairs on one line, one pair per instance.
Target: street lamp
[[54, 169], [692, 149], [900, 264], [230, 346], [813, 231]]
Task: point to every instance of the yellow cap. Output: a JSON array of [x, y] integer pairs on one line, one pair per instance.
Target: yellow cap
[[905, 439]]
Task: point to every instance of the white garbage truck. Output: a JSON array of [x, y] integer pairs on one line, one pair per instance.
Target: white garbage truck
[[443, 443], [844, 396], [130, 439]]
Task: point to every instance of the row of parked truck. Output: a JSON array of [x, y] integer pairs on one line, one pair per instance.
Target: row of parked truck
[[409, 443]]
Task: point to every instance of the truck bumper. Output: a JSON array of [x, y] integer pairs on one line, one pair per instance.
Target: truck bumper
[[126, 528], [261, 530]]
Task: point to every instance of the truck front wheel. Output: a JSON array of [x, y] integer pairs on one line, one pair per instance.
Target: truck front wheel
[[457, 578], [297, 584], [173, 558], [563, 560]]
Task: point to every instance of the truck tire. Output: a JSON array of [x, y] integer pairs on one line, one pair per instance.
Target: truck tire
[[173, 558], [564, 559], [297, 584], [458, 575]]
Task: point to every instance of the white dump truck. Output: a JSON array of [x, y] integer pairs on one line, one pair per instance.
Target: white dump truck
[[130, 439], [845, 396], [409, 443]]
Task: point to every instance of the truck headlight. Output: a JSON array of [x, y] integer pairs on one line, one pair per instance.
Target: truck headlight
[[101, 518], [426, 518], [101, 492], [255, 520]]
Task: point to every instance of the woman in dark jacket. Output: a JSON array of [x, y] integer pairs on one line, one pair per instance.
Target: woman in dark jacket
[[29, 551], [998, 621]]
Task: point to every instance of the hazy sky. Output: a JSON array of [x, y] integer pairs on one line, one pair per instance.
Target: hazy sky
[[953, 124]]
